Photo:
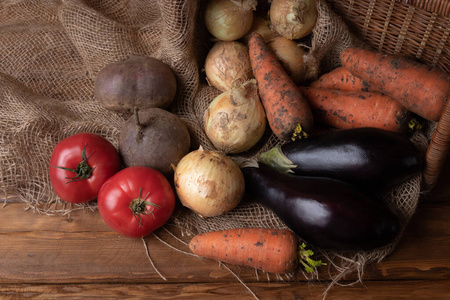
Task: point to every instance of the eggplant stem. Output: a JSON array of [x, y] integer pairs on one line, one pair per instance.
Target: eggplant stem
[[277, 160]]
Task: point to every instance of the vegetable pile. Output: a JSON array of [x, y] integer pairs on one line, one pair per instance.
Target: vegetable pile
[[325, 186]]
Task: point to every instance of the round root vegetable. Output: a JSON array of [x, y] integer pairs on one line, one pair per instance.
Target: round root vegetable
[[154, 138], [208, 182], [270, 250], [138, 81], [285, 106], [416, 86], [263, 27], [228, 64], [291, 57], [235, 120], [229, 20], [293, 19]]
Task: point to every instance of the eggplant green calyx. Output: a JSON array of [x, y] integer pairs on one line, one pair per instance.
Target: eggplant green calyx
[[82, 171], [304, 257], [139, 207], [276, 159]]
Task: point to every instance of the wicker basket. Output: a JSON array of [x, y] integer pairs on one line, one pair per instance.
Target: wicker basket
[[417, 28]]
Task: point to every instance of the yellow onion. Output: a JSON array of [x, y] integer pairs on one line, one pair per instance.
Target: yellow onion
[[209, 182], [235, 120], [229, 20], [293, 19], [228, 64], [263, 27], [291, 57]]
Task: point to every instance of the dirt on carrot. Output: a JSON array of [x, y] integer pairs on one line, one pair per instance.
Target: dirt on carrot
[[341, 79], [270, 250], [285, 106], [350, 109], [419, 88]]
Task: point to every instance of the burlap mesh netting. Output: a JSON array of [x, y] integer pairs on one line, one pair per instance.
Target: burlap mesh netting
[[50, 53]]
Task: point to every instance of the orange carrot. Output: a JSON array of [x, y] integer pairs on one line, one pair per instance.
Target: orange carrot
[[416, 86], [270, 250], [285, 106], [350, 109], [341, 79]]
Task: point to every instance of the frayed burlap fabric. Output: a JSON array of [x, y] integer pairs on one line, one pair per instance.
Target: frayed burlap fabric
[[50, 53]]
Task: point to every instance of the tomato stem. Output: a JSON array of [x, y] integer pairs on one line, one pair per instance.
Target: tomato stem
[[83, 170], [139, 207]]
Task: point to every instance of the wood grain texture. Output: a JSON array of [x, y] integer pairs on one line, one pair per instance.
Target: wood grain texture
[[78, 256], [81, 248], [419, 290]]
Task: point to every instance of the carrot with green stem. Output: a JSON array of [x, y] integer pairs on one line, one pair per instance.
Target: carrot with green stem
[[285, 106], [352, 109], [341, 79], [418, 87], [270, 250]]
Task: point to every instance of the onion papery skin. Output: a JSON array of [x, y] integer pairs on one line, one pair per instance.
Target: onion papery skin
[[229, 20], [209, 183], [291, 58], [228, 64], [293, 19], [263, 26], [235, 120]]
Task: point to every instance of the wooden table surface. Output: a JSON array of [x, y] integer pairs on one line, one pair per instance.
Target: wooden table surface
[[45, 257]]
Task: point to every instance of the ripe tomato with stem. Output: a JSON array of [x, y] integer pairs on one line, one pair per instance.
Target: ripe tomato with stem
[[136, 201], [80, 164]]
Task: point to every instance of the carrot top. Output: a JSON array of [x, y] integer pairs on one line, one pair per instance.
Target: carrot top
[[304, 257]]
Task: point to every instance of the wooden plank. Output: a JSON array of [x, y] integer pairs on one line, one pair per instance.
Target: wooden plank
[[37, 249], [430, 219], [417, 290], [14, 218], [413, 259]]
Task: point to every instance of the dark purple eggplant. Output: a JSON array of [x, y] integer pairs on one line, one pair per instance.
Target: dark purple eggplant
[[325, 212], [369, 158]]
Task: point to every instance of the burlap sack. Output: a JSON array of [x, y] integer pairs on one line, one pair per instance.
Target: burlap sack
[[50, 53]]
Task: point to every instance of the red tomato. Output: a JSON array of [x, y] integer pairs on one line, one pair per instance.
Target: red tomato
[[136, 201], [80, 164]]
